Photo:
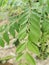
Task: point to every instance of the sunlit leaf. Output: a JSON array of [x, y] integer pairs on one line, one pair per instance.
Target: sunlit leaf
[[30, 59], [32, 47], [19, 57], [20, 48]]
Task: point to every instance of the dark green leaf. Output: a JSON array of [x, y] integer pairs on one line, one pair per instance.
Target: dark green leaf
[[12, 31], [6, 37], [16, 43], [1, 42]]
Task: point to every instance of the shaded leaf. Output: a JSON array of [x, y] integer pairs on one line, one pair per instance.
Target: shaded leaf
[[16, 43], [1, 42], [16, 25], [6, 37], [12, 31]]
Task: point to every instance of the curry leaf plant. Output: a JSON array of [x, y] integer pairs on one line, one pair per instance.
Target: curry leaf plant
[[28, 23]]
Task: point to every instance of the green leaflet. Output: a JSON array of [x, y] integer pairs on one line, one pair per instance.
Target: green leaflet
[[30, 59], [42, 1], [16, 27], [48, 2], [6, 37], [22, 31], [23, 18], [35, 20], [32, 38], [2, 28], [23, 36], [1, 42], [20, 48], [32, 47], [45, 26], [4, 2], [6, 58], [19, 57], [12, 31], [34, 33], [0, 2], [22, 27], [25, 1]]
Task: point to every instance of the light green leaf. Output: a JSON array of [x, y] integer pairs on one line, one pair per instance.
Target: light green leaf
[[22, 32], [32, 47], [34, 33], [2, 28], [19, 57], [45, 25], [30, 59], [32, 38], [48, 2], [20, 48], [23, 18], [42, 1]]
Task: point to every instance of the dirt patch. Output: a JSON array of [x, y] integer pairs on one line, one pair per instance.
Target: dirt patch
[[6, 63], [43, 62]]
